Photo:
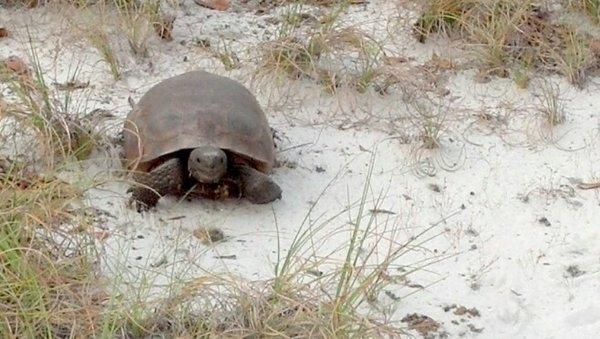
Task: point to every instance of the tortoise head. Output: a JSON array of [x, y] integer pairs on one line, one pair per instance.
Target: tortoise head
[[207, 164]]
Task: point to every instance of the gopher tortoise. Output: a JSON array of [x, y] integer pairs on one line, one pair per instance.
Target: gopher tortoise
[[199, 134]]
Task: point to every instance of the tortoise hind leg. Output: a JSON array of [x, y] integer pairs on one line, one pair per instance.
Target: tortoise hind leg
[[257, 187], [166, 178]]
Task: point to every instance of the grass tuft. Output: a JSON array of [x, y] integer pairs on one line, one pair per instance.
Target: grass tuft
[[551, 105], [48, 284], [56, 119], [323, 51], [509, 34]]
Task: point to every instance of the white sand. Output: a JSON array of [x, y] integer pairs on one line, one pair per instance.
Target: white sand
[[523, 221]]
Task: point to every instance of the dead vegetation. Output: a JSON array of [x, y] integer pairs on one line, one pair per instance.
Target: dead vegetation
[[48, 280], [48, 283], [551, 105], [58, 123], [513, 37], [103, 24], [314, 46]]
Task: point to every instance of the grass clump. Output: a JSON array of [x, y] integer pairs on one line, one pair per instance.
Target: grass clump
[[105, 24], [371, 263], [429, 118], [551, 105], [139, 21], [320, 49], [49, 286], [59, 122], [99, 39], [292, 56], [507, 35], [47, 281]]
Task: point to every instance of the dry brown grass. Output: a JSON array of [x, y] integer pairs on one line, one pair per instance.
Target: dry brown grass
[[106, 23], [53, 120], [511, 36], [319, 49], [48, 285]]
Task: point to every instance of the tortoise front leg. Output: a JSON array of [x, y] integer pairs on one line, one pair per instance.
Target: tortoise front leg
[[257, 187], [166, 178]]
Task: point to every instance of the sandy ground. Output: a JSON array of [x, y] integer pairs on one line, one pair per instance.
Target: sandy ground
[[519, 238]]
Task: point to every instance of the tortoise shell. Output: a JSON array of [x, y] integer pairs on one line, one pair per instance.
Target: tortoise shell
[[194, 109]]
